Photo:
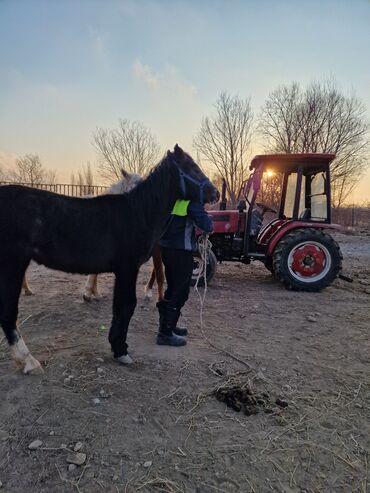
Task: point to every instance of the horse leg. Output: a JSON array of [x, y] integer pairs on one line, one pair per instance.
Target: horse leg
[[159, 274], [95, 287], [124, 303], [10, 289], [148, 290], [26, 287], [90, 287]]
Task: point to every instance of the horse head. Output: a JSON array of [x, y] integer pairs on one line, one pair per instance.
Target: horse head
[[126, 184], [194, 184]]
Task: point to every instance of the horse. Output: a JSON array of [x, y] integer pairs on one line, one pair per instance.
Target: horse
[[108, 233], [127, 183]]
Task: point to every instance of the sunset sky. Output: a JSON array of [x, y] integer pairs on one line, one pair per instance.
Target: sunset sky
[[67, 67]]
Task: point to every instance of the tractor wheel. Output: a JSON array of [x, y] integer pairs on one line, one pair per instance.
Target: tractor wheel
[[198, 269], [269, 265], [307, 260]]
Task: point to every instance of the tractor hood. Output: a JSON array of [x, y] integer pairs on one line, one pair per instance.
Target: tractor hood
[[227, 221]]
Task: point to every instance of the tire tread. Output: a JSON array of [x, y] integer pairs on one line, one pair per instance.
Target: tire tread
[[298, 236]]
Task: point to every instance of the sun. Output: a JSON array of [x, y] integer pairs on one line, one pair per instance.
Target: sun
[[269, 173]]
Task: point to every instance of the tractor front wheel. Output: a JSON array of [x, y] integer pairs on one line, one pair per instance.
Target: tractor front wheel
[[198, 269], [307, 260]]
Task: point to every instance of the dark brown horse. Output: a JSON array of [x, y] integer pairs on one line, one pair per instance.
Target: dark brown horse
[[126, 184], [109, 233]]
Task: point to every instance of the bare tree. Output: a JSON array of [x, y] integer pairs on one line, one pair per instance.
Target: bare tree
[[29, 169], [319, 119], [270, 189], [217, 180], [131, 146], [224, 141], [84, 178], [3, 173]]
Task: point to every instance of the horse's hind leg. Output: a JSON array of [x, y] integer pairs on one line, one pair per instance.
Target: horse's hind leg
[[160, 280], [148, 290], [26, 287], [10, 289], [95, 287], [157, 274], [91, 287]]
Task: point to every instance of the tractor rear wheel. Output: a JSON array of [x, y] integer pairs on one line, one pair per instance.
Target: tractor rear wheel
[[198, 269], [307, 260]]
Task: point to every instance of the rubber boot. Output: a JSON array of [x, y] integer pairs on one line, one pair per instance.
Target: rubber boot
[[179, 331], [168, 318]]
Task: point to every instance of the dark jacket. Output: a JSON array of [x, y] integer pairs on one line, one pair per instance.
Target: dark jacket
[[180, 231]]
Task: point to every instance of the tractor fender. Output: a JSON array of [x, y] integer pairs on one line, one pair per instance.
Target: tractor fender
[[274, 240]]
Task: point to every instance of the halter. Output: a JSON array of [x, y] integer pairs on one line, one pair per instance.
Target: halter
[[184, 176]]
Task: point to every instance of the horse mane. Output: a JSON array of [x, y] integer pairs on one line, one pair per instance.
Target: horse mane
[[154, 189]]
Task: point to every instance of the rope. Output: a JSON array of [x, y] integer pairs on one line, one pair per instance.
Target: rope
[[205, 247]]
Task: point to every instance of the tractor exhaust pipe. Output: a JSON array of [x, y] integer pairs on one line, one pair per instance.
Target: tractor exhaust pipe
[[223, 196]]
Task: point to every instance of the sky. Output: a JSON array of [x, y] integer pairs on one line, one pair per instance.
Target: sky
[[68, 67]]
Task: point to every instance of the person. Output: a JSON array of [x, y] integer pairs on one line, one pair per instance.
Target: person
[[177, 246]]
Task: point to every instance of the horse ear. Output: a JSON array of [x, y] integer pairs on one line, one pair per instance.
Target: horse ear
[[178, 152], [124, 173]]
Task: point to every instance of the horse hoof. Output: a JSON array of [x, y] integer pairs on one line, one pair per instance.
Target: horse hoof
[[33, 367], [28, 292], [148, 294], [125, 359], [92, 297], [35, 371]]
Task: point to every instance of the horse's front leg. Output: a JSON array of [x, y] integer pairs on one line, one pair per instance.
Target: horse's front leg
[[91, 287], [10, 289], [22, 356], [124, 303]]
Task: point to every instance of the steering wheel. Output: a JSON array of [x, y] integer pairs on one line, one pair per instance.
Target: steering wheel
[[265, 208]]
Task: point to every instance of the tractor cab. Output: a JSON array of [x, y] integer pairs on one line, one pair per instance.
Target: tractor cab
[[304, 190], [280, 220]]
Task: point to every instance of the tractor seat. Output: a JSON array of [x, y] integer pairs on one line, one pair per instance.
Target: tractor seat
[[305, 214]]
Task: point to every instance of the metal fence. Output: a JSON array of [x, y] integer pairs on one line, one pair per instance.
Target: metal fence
[[352, 217], [64, 189]]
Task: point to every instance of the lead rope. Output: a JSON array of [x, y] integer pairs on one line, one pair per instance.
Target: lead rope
[[205, 247]]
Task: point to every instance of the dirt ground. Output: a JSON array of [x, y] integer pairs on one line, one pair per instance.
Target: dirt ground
[[301, 359]]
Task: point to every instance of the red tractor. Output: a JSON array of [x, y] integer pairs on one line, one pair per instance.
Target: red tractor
[[292, 244]]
